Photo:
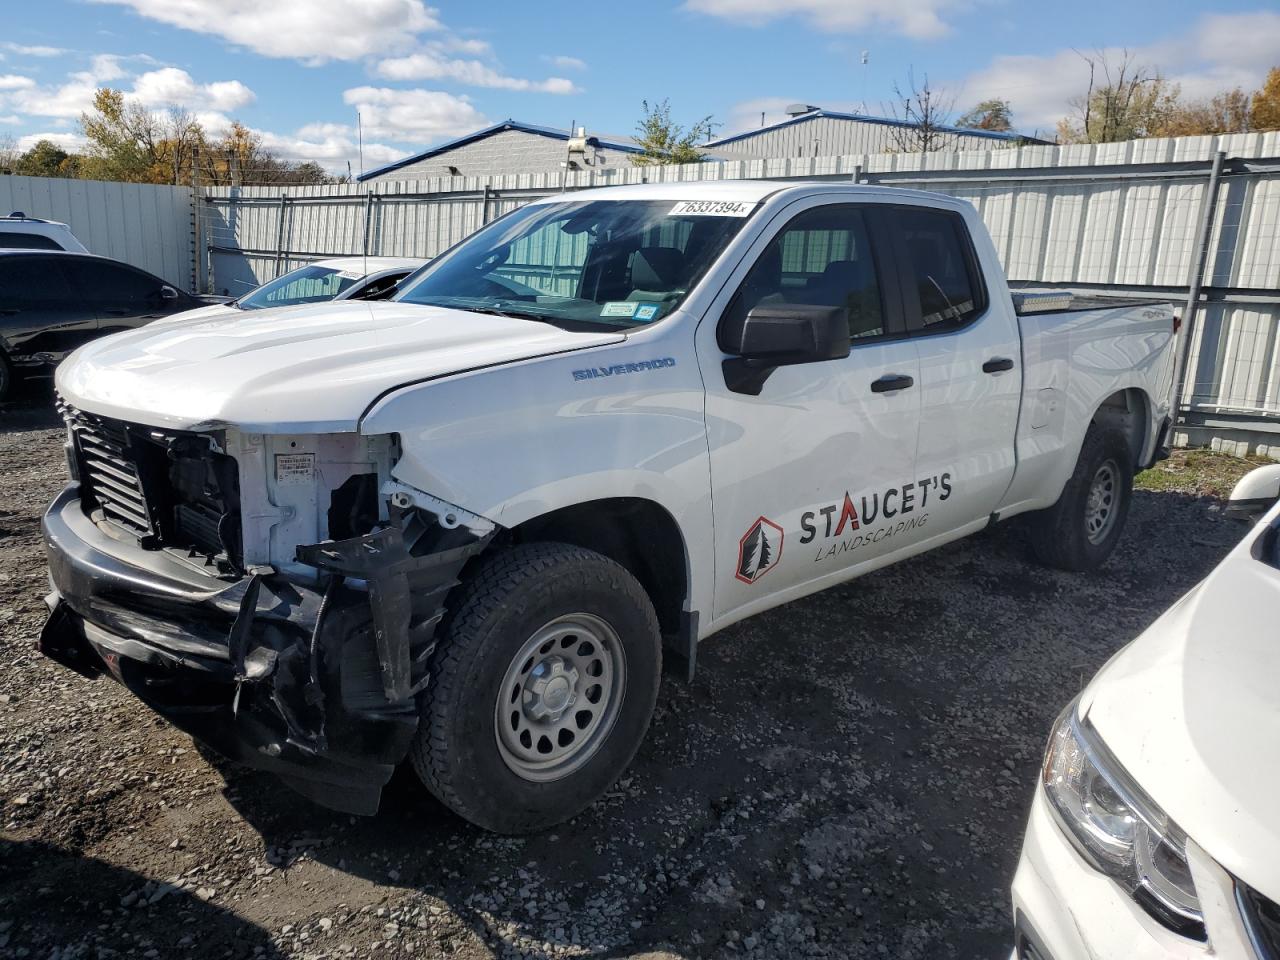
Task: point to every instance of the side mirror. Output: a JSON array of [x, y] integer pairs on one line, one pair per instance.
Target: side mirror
[[783, 335], [1255, 493], [168, 293]]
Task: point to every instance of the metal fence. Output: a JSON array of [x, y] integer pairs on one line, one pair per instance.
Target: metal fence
[[143, 224]]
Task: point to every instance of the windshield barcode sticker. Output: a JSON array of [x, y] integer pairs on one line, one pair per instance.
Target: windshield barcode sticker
[[712, 208], [293, 469]]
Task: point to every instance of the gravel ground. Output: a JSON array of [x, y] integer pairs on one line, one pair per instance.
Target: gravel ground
[[847, 777]]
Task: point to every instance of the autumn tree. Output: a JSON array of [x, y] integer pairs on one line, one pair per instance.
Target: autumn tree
[[925, 112], [46, 159], [994, 115], [1264, 108], [665, 141], [1228, 112]]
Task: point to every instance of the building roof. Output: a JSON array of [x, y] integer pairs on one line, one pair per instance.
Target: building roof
[[863, 118], [616, 143]]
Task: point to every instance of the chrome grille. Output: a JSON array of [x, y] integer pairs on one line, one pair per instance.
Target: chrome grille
[[1262, 921], [109, 469]]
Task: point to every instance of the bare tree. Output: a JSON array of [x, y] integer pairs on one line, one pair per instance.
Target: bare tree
[[1125, 100], [9, 153], [925, 113]]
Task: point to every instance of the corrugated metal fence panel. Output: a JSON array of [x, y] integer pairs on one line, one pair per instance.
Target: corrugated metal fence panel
[[143, 224], [1114, 220]]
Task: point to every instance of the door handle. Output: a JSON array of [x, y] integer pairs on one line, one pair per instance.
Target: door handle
[[9, 312], [892, 381], [997, 365], [117, 313]]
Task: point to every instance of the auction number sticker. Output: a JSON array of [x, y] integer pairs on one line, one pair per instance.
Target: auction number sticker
[[293, 469], [712, 208]]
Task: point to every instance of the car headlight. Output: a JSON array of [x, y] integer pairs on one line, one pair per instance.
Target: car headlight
[[1117, 827]]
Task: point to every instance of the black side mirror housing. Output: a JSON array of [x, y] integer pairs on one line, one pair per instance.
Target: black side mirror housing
[[782, 335]]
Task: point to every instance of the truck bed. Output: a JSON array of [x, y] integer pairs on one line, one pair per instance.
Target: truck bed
[[1068, 301]]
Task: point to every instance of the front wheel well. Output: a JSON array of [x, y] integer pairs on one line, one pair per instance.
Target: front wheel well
[[636, 533], [1127, 412]]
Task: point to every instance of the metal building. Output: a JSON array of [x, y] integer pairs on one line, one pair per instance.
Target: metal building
[[511, 147], [811, 131]]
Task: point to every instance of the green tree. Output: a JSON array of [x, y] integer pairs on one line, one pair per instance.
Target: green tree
[[1124, 101], [1228, 112], [988, 115], [664, 141], [1264, 109], [46, 159]]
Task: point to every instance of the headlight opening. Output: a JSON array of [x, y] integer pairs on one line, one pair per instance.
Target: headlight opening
[[1117, 828]]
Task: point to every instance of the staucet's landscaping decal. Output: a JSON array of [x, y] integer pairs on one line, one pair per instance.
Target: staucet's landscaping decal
[[759, 550], [875, 517]]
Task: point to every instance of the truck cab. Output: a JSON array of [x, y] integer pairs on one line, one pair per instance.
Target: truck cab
[[462, 527]]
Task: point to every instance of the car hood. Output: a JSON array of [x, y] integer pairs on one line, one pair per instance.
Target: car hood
[[199, 313], [302, 370], [1191, 709]]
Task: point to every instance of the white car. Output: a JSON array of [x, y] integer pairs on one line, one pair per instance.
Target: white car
[[338, 278], [20, 232], [459, 527], [1155, 829]]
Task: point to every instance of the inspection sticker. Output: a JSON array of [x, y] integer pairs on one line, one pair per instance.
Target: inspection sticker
[[646, 311], [293, 469], [711, 208], [619, 308]]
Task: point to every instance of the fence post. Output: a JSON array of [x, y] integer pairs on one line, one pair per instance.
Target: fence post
[[484, 206], [368, 210], [1208, 215], [280, 232]]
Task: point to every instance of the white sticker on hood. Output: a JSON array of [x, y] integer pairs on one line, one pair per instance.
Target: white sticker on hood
[[712, 208], [294, 469]]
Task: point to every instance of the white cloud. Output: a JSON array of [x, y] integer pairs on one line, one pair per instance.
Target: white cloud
[[23, 50], [332, 145], [315, 30], [164, 87], [10, 120], [430, 65], [1218, 52], [922, 19], [413, 116], [565, 62], [171, 87], [67, 141]]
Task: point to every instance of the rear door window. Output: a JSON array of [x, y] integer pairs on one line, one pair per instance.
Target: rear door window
[[944, 289], [27, 241], [31, 283]]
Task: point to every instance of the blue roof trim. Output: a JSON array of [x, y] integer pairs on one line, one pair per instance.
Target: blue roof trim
[[489, 131], [886, 121]]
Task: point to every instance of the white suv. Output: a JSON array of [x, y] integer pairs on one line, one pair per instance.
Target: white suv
[[18, 231]]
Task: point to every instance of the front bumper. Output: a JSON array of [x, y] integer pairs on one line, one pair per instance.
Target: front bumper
[[274, 674], [1064, 909]]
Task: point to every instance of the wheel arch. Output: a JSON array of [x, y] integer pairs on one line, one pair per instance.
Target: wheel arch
[[637, 533], [1128, 411]]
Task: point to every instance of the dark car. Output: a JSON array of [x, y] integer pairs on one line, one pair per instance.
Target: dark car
[[53, 301]]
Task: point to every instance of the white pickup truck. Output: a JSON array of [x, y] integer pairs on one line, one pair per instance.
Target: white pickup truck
[[461, 526]]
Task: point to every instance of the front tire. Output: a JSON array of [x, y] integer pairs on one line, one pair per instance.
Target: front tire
[[542, 687], [1081, 530]]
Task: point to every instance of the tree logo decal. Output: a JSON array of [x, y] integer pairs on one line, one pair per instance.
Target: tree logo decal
[[759, 550]]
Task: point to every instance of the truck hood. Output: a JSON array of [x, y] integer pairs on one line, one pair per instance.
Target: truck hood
[[1191, 709], [312, 369]]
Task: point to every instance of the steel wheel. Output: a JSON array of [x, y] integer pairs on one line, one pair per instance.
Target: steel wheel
[[559, 697], [1100, 508]]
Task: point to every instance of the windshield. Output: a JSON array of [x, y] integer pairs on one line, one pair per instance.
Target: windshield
[[311, 284], [585, 264]]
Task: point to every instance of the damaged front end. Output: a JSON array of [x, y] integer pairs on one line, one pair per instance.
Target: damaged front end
[[304, 657]]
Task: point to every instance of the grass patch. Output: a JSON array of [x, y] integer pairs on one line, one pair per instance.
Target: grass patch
[[1202, 472]]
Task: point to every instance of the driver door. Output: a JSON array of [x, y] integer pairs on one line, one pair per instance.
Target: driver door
[[808, 477]]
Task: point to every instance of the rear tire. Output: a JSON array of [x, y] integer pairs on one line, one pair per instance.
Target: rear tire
[[1082, 529], [6, 378], [542, 687]]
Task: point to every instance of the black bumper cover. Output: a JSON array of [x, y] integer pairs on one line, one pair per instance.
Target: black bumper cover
[[319, 687]]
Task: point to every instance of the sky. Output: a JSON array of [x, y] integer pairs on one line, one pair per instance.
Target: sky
[[299, 71]]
